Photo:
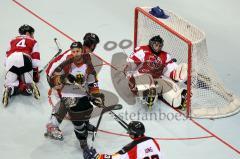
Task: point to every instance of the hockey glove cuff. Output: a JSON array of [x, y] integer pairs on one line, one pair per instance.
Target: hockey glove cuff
[[36, 76], [98, 99]]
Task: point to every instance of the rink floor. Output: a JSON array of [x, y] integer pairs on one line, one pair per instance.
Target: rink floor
[[23, 122]]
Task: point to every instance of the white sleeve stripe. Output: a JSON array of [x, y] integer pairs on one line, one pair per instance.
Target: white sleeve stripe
[[168, 58], [35, 48], [35, 63], [57, 63], [140, 55]]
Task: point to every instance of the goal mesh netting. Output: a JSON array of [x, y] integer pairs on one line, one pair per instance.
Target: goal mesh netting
[[207, 97]]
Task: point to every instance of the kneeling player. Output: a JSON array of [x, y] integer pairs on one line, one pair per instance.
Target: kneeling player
[[152, 72], [21, 64], [141, 146], [75, 81]]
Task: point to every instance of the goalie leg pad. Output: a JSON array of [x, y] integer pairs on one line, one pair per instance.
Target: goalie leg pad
[[144, 82], [169, 91]]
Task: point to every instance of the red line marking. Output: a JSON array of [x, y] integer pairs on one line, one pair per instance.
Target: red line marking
[[56, 29], [189, 138], [208, 131], [34, 14], [53, 27], [100, 65]]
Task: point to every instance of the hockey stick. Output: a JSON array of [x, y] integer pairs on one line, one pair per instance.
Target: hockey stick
[[59, 52], [119, 120], [105, 109]]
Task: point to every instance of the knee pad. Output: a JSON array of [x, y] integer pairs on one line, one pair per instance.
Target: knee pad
[[144, 82], [80, 130]]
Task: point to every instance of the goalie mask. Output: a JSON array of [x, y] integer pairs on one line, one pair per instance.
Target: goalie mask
[[26, 29], [90, 40], [156, 44]]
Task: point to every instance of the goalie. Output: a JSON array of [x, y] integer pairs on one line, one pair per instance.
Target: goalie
[[21, 65], [152, 72]]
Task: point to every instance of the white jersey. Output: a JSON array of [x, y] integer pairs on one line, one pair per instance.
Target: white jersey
[[79, 89], [140, 148]]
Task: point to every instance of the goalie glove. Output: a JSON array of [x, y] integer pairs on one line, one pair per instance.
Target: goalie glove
[[98, 99]]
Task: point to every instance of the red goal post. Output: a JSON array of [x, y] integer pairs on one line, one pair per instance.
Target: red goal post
[[207, 97]]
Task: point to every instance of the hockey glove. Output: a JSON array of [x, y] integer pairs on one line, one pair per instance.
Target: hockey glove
[[90, 153], [71, 78], [36, 76], [98, 99], [56, 81]]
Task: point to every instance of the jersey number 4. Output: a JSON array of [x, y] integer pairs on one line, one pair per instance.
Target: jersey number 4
[[21, 43]]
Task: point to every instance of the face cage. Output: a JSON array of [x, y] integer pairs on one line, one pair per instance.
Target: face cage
[[152, 43]]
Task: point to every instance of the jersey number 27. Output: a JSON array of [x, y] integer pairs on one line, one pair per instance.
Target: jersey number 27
[[152, 157]]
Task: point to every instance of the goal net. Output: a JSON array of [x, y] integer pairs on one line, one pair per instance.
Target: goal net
[[206, 95]]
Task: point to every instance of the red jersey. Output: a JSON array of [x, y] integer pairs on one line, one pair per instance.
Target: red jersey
[[147, 62], [26, 45]]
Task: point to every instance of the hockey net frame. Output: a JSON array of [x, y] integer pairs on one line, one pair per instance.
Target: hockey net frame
[[201, 82]]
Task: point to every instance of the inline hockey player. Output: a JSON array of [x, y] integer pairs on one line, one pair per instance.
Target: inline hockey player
[[90, 41], [21, 65], [74, 81], [141, 146], [152, 72]]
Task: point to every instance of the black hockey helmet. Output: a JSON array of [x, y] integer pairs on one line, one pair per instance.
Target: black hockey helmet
[[90, 39], [153, 40], [136, 128], [26, 28], [76, 44]]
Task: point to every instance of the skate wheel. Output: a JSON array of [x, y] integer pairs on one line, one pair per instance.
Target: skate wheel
[[52, 137], [5, 99], [36, 92]]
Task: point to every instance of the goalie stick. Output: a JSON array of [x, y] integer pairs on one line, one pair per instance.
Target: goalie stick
[[59, 52]]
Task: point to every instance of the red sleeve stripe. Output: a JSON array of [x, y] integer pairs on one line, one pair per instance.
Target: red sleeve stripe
[[136, 60], [56, 62], [132, 154], [35, 55], [157, 145]]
